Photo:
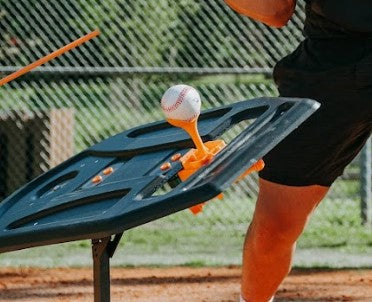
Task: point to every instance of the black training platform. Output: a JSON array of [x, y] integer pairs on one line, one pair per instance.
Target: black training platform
[[64, 204]]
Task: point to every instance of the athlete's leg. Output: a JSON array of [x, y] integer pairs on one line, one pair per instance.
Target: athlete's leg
[[280, 216]]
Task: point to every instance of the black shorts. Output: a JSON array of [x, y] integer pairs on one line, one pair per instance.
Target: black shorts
[[338, 74]]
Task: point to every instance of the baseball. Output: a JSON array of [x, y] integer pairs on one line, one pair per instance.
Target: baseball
[[181, 102]]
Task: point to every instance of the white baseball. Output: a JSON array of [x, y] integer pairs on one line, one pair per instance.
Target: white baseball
[[181, 102]]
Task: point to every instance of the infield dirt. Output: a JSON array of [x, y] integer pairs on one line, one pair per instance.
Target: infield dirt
[[177, 284]]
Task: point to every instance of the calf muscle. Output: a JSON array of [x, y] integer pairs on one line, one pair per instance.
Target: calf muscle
[[280, 217]]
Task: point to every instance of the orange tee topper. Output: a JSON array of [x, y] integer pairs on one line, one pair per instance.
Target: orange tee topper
[[194, 159], [274, 13], [49, 57]]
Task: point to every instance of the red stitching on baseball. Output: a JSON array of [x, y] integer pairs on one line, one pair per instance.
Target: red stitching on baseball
[[178, 102], [193, 117]]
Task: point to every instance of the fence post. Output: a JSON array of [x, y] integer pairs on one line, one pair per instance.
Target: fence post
[[365, 186], [32, 142]]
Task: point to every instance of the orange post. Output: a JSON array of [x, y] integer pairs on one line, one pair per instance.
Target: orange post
[[193, 160], [49, 57], [191, 127]]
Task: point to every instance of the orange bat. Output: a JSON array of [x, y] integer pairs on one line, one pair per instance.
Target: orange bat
[[49, 57]]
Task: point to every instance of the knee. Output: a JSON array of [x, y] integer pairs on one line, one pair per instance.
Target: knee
[[282, 213], [275, 232]]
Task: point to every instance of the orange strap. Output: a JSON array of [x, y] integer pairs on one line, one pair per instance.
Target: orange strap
[[274, 13], [49, 57]]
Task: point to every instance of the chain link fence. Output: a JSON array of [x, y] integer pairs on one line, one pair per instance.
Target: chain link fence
[[115, 82]]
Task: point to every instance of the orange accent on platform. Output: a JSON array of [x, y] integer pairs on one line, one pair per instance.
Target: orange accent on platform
[[165, 166], [97, 179], [199, 207], [258, 166], [176, 157], [108, 171], [49, 57]]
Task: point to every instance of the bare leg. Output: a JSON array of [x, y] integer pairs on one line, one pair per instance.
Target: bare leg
[[280, 217]]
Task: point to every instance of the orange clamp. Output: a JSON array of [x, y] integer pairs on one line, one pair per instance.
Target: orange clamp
[[193, 160], [258, 166]]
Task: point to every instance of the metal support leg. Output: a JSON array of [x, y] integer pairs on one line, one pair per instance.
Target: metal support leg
[[102, 250]]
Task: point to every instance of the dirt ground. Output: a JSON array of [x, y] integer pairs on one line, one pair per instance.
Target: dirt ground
[[178, 284]]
